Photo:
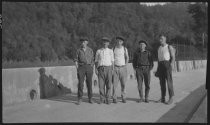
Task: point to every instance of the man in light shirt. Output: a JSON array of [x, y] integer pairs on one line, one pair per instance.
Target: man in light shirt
[[166, 58], [104, 61], [121, 59]]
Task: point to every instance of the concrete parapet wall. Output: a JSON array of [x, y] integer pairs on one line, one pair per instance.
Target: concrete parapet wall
[[190, 65], [19, 84]]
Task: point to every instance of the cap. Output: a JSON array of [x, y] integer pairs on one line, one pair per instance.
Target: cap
[[142, 41], [83, 39], [120, 37], [105, 39]]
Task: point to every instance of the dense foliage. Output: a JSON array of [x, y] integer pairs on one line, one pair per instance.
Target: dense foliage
[[49, 31]]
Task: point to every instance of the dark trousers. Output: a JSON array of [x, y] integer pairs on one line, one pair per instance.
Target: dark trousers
[[143, 73], [165, 70], [85, 70], [105, 81]]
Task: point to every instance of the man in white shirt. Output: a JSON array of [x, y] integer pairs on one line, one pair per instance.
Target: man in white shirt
[[104, 61], [121, 59], [166, 58]]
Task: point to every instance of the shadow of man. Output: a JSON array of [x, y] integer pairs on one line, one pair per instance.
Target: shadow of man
[[50, 87], [43, 79]]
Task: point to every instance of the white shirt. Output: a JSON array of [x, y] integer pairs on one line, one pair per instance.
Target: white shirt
[[119, 56], [163, 53], [104, 57]]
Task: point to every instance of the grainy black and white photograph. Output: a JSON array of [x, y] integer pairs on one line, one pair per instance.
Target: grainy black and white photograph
[[104, 62]]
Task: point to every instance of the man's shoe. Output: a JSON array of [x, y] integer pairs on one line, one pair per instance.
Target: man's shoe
[[79, 101], [114, 100], [169, 101], [107, 101], [102, 101], [146, 100], [124, 100], [140, 100], [90, 101], [161, 101]]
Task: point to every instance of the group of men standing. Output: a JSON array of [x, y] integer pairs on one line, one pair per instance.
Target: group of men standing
[[110, 67]]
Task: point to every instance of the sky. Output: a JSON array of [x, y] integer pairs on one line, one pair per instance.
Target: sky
[[152, 3]]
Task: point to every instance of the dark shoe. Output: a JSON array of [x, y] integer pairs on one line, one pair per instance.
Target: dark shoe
[[102, 101], [107, 102], [90, 101], [146, 100], [79, 101], [169, 101], [124, 100], [114, 100], [161, 101], [140, 100]]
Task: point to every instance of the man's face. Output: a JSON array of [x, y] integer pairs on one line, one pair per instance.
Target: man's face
[[105, 44], [84, 43], [119, 42], [162, 39], [142, 46]]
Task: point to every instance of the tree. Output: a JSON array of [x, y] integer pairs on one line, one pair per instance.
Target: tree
[[200, 15]]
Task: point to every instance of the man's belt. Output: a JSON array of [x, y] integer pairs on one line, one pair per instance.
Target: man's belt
[[143, 66], [165, 61], [82, 64], [119, 66], [104, 66]]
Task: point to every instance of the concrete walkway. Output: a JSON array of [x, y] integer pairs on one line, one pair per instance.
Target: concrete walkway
[[200, 116], [64, 109]]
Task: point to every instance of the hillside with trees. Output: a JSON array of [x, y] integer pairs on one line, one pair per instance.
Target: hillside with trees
[[50, 31]]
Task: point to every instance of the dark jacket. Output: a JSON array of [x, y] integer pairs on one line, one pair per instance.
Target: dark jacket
[[142, 59]]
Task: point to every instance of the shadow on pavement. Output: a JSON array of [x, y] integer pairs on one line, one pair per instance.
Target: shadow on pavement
[[72, 98], [134, 99], [184, 110]]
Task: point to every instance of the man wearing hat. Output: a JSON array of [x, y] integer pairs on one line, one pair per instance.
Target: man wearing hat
[[104, 60], [84, 64], [142, 64], [121, 59]]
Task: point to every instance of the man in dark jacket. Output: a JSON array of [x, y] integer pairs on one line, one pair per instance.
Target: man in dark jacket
[[142, 64]]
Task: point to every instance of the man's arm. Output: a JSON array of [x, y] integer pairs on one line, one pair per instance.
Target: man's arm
[[76, 59], [151, 60], [134, 60], [127, 56], [112, 58], [92, 59], [172, 55], [96, 62]]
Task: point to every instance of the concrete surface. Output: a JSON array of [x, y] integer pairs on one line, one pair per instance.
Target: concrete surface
[[184, 110], [64, 109], [18, 83], [200, 116]]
